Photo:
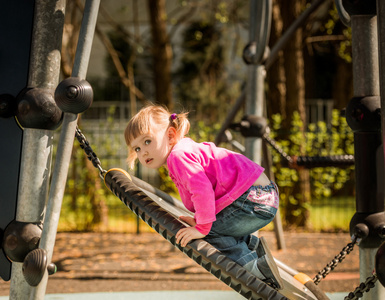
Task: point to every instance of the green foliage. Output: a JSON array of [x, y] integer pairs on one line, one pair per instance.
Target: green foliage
[[202, 132], [112, 88], [84, 206], [333, 26], [125, 50], [201, 81], [319, 140]]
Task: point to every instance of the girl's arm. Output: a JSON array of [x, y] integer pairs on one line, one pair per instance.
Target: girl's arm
[[193, 184]]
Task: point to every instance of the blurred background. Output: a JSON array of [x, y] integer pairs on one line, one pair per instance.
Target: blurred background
[[187, 55]]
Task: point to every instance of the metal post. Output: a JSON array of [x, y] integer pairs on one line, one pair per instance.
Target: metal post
[[37, 144], [66, 140], [381, 58], [381, 53], [254, 106], [260, 18], [33, 187], [366, 83]]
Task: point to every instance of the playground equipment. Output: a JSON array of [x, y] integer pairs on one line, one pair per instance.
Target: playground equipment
[[40, 105]]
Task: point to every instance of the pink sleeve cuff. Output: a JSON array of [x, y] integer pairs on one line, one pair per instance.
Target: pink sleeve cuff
[[204, 228]]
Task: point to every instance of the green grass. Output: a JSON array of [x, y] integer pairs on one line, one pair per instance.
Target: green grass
[[119, 218], [331, 214], [330, 218]]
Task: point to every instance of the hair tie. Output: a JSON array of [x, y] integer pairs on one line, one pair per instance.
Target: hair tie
[[173, 117]]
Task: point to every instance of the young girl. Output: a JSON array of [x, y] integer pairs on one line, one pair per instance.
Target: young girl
[[229, 194]]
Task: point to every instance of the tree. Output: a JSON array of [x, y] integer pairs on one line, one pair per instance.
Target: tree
[[324, 63], [295, 102], [201, 83], [276, 100], [161, 53]]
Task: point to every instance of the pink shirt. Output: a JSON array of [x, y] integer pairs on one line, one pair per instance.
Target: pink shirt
[[209, 178]]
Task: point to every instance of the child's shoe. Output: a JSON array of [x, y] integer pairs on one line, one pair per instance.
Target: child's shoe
[[267, 265]]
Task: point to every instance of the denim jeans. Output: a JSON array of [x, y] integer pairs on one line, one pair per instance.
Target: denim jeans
[[231, 232]]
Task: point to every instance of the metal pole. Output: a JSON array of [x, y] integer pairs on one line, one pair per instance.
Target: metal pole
[[381, 58], [86, 37], [260, 18], [33, 190], [365, 83], [254, 106], [65, 145], [381, 53], [37, 144]]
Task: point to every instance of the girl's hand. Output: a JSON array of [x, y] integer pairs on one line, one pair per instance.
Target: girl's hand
[[185, 235], [188, 220]]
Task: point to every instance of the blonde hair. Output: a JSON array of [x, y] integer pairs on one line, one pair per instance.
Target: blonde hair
[[150, 119]]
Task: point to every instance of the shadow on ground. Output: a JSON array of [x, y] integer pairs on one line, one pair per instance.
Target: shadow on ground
[[115, 262]]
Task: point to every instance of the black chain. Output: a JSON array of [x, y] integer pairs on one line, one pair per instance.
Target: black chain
[[337, 259], [364, 287], [91, 155], [276, 147]]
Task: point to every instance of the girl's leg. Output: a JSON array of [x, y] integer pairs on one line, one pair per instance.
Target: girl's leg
[[260, 263], [265, 264], [231, 234]]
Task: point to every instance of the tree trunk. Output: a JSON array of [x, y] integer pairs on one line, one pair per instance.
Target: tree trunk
[[297, 213], [98, 204], [343, 85], [162, 53], [293, 62], [276, 100]]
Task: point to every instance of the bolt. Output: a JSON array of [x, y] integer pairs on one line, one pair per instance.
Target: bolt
[[11, 242], [72, 92]]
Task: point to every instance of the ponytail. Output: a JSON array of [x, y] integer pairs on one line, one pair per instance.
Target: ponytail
[[181, 124]]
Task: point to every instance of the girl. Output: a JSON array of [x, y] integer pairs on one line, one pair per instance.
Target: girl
[[229, 194]]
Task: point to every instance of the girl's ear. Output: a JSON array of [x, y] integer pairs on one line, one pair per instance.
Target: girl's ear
[[171, 135]]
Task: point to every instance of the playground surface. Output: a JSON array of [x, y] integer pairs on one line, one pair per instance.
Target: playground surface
[[117, 262]]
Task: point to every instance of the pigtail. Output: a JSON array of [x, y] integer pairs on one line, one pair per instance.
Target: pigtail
[[181, 123]]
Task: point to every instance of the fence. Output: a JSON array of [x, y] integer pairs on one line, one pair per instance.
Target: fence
[[319, 110]]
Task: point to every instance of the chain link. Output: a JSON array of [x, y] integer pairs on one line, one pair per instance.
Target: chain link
[[91, 155], [276, 147], [364, 287], [337, 259]]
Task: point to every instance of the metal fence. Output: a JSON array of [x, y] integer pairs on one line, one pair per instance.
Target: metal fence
[[319, 110]]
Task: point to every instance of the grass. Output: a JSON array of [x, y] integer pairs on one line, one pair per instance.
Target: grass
[[326, 215], [330, 218], [119, 217], [332, 214]]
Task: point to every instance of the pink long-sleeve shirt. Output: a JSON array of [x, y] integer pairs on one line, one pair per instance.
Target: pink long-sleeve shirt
[[208, 177]]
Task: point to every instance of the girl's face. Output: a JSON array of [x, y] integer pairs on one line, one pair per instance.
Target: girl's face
[[152, 150]]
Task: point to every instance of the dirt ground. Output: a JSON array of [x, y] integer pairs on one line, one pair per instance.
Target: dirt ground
[[115, 262]]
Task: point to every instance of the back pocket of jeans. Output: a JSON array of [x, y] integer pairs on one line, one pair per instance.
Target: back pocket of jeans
[[263, 213]]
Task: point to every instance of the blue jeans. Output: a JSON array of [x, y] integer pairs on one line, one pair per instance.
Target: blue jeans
[[231, 232]]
